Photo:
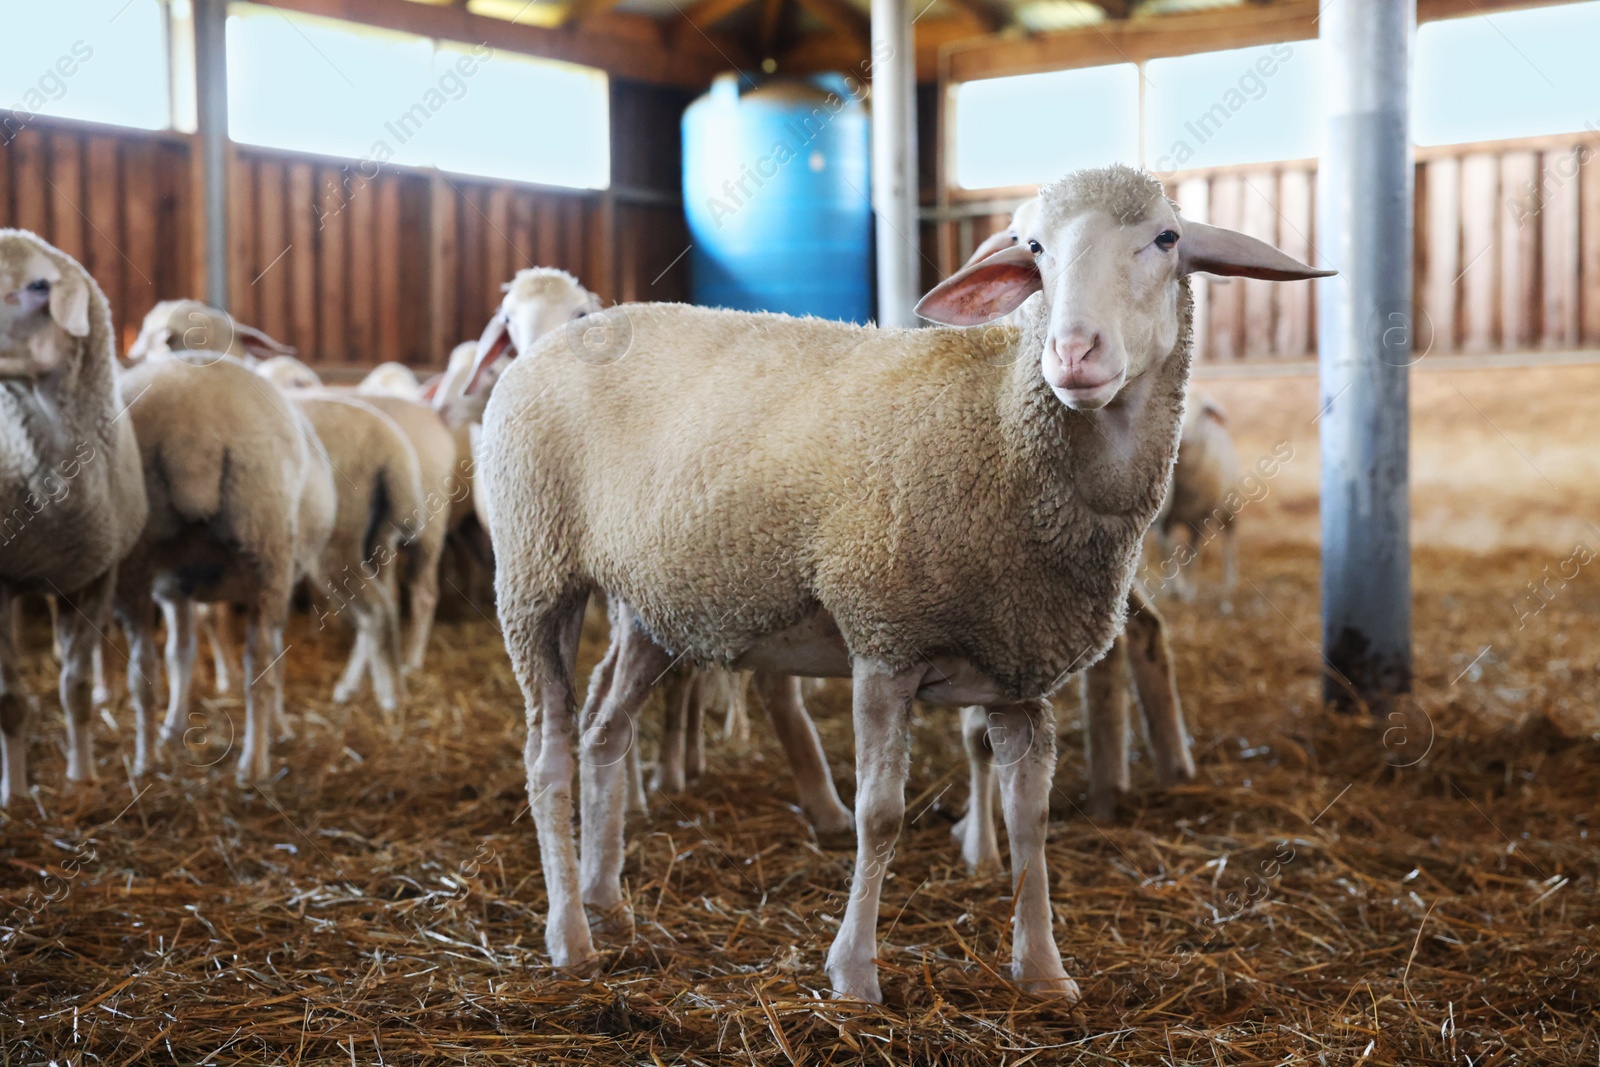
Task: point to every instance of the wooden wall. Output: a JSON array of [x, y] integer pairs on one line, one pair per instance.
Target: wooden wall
[[116, 200], [1507, 255], [352, 265]]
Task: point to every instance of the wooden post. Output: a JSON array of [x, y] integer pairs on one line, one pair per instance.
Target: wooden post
[[1365, 339], [211, 121], [894, 162]]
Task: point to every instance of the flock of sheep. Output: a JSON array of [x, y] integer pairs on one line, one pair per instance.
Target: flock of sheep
[[948, 515]]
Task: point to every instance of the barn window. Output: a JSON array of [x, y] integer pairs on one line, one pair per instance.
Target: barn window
[[321, 85], [1035, 127], [99, 60], [1516, 74], [1243, 105]]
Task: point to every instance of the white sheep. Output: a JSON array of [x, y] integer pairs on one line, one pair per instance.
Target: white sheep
[[193, 326], [378, 482], [391, 379], [72, 501], [948, 515], [1197, 506], [241, 506]]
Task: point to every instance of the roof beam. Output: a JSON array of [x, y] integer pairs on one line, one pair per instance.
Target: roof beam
[[843, 16], [1158, 36], [614, 47]]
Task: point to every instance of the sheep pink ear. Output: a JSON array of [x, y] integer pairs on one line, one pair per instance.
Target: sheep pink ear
[[995, 242], [1218, 251], [430, 392], [69, 304], [260, 345], [495, 342], [983, 291]]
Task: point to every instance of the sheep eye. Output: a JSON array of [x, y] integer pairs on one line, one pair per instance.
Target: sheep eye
[[1035, 247], [1166, 240], [39, 286]]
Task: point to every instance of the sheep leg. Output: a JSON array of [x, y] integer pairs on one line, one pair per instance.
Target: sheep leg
[[263, 683], [16, 706], [881, 710], [1157, 690], [979, 845], [423, 586], [1025, 750], [80, 627], [779, 696], [181, 646], [736, 723], [607, 738], [355, 670], [383, 618], [536, 642], [669, 776], [134, 611], [1106, 713], [1230, 565], [214, 622], [694, 732], [104, 693]]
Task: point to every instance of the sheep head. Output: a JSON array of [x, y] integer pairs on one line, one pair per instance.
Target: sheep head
[[192, 326], [44, 307], [537, 301], [286, 372], [1109, 252]]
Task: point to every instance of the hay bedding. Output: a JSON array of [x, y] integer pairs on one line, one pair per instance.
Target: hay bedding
[[1307, 901]]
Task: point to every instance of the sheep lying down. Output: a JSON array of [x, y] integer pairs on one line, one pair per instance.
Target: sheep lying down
[[945, 515]]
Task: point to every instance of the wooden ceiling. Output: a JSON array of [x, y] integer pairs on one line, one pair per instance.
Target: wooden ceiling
[[688, 42]]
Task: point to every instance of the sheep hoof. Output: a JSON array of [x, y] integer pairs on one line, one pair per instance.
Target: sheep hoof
[[1054, 986], [855, 982], [342, 695]]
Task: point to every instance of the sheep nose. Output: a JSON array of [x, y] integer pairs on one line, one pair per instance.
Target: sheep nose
[[1075, 346]]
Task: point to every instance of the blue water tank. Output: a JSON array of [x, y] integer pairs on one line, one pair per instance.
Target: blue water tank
[[775, 185]]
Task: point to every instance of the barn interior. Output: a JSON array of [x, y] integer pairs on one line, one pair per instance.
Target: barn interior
[[1387, 854]]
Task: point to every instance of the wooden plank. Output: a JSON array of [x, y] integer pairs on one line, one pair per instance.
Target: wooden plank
[[1439, 248], [7, 209], [1589, 234], [302, 259], [1519, 255], [334, 220], [178, 272], [1292, 333], [444, 329], [104, 238], [474, 304], [389, 298], [242, 238], [362, 293], [28, 182], [1259, 219], [270, 276], [1558, 247], [498, 246], [1226, 294], [415, 346], [1194, 199], [66, 194], [572, 239], [523, 209], [549, 231], [1480, 218]]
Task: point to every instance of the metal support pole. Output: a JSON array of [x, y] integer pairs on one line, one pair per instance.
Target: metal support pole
[[894, 162], [211, 120], [1364, 345]]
